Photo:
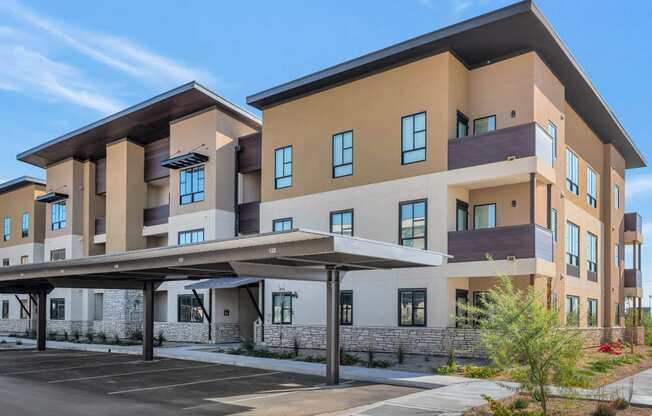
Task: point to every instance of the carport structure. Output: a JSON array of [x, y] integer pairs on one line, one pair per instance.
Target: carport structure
[[295, 255]]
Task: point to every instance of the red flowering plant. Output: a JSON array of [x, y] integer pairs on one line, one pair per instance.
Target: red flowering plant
[[613, 347]]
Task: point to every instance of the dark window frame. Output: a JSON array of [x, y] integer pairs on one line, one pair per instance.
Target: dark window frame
[[461, 314], [5, 309], [425, 306], [190, 233], [195, 195], [464, 206], [334, 169], [340, 212], [55, 252], [400, 221], [58, 215], [554, 139], [592, 266], [5, 262], [574, 259], [57, 305], [291, 163], [592, 200], [475, 226], [194, 304], [343, 321], [553, 223], [591, 320], [425, 139], [24, 228], [283, 295], [567, 310], [282, 220], [485, 118], [464, 120], [6, 231], [571, 185]]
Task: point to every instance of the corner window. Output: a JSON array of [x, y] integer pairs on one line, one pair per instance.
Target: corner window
[[553, 223], [5, 309], [572, 244], [191, 185], [552, 131], [342, 222], [283, 224], [591, 187], [57, 309], [59, 254], [282, 308], [572, 172], [283, 167], [24, 225], [346, 307], [6, 229], [592, 312], [343, 154], [572, 310], [190, 237], [412, 307], [484, 216], [58, 215], [462, 125], [188, 309], [484, 124], [461, 216], [616, 196], [592, 253], [413, 138], [413, 224]]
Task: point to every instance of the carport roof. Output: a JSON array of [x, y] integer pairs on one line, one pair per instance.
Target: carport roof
[[297, 248]]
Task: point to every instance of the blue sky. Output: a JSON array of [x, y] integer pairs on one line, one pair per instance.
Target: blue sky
[[66, 64]]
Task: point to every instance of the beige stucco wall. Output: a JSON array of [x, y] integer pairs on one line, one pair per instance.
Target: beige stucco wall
[[16, 202], [66, 177]]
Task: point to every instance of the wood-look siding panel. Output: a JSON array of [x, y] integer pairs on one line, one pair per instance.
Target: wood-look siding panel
[[100, 176], [249, 218], [100, 225], [633, 278], [633, 222], [496, 146], [250, 153], [156, 215], [156, 152]]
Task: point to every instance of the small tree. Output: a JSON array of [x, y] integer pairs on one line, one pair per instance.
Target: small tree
[[523, 336]]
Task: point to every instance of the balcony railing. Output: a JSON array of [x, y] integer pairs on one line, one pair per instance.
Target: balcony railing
[[249, 217], [100, 225], [633, 278], [520, 241], [515, 142], [156, 216], [633, 222]]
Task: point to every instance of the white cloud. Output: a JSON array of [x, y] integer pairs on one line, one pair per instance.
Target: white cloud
[[638, 186], [459, 6]]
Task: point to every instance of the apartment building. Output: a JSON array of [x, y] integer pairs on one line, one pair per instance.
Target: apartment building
[[481, 139]]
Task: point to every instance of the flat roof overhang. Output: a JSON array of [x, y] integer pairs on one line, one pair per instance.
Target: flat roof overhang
[[306, 252], [479, 41], [142, 123], [19, 183]]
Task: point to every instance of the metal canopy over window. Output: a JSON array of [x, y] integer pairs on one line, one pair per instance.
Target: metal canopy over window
[[51, 197], [184, 161]]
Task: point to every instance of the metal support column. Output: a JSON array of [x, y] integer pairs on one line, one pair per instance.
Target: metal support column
[[42, 320], [148, 321], [333, 327]]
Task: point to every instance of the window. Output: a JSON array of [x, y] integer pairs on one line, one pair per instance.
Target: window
[[5, 262], [191, 185], [282, 308], [484, 124], [461, 301], [24, 259], [617, 255], [283, 167], [343, 154], [23, 312], [617, 196], [413, 138], [572, 172], [572, 244], [592, 252], [553, 223], [190, 237], [188, 309], [346, 307], [591, 187], [617, 312], [572, 310], [484, 216], [283, 224], [413, 224], [24, 225], [412, 307], [59, 254], [592, 312], [552, 131], [630, 249], [342, 222], [6, 229], [5, 309], [58, 215], [480, 301], [461, 216], [99, 307], [57, 309], [462, 125]]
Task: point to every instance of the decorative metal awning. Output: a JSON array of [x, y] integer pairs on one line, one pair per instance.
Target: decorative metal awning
[[184, 161], [51, 197]]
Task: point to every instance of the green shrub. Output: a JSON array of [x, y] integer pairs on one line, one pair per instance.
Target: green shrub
[[348, 359], [620, 404], [19, 342], [249, 346], [445, 370], [295, 347], [582, 378], [604, 409], [314, 359], [76, 335], [370, 357], [90, 337], [380, 364], [497, 408], [52, 335], [65, 335], [101, 337], [473, 371], [520, 403], [400, 354], [116, 338], [601, 366], [135, 334], [160, 339]]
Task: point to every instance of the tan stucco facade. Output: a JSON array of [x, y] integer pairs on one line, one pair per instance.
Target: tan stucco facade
[[13, 204]]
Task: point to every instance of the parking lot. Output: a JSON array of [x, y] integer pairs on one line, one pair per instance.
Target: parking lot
[[82, 383]]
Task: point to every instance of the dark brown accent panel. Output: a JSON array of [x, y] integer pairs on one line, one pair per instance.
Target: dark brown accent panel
[[156, 152], [521, 241], [633, 222], [592, 276], [572, 270], [495, 146], [633, 278], [156, 215], [249, 218], [100, 225], [100, 176], [250, 152]]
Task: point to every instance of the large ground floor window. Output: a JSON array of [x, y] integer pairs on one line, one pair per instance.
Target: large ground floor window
[[189, 309], [412, 307]]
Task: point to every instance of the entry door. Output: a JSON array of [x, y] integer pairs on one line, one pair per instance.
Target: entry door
[[461, 297]]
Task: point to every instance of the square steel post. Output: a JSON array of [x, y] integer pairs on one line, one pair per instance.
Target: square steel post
[[148, 321], [41, 322], [333, 327]]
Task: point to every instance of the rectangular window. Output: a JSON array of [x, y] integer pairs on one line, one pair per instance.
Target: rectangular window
[[99, 307], [24, 259], [346, 307], [462, 125], [572, 310], [342, 222], [23, 314], [57, 309], [5, 309], [282, 308], [283, 167], [413, 138], [58, 215], [629, 256], [617, 196], [617, 255], [59, 254], [413, 224], [188, 309], [484, 125], [343, 154], [552, 131], [461, 216], [484, 216], [461, 302], [592, 252], [190, 237], [412, 307], [191, 185], [591, 187], [24, 225], [283, 224], [6, 230], [617, 313], [5, 262], [592, 312], [553, 223], [572, 172], [572, 244]]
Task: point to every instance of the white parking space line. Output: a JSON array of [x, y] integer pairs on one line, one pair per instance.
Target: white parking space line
[[132, 373], [45, 370], [192, 383], [66, 358]]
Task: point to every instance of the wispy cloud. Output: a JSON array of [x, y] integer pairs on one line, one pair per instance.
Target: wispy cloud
[[638, 186]]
